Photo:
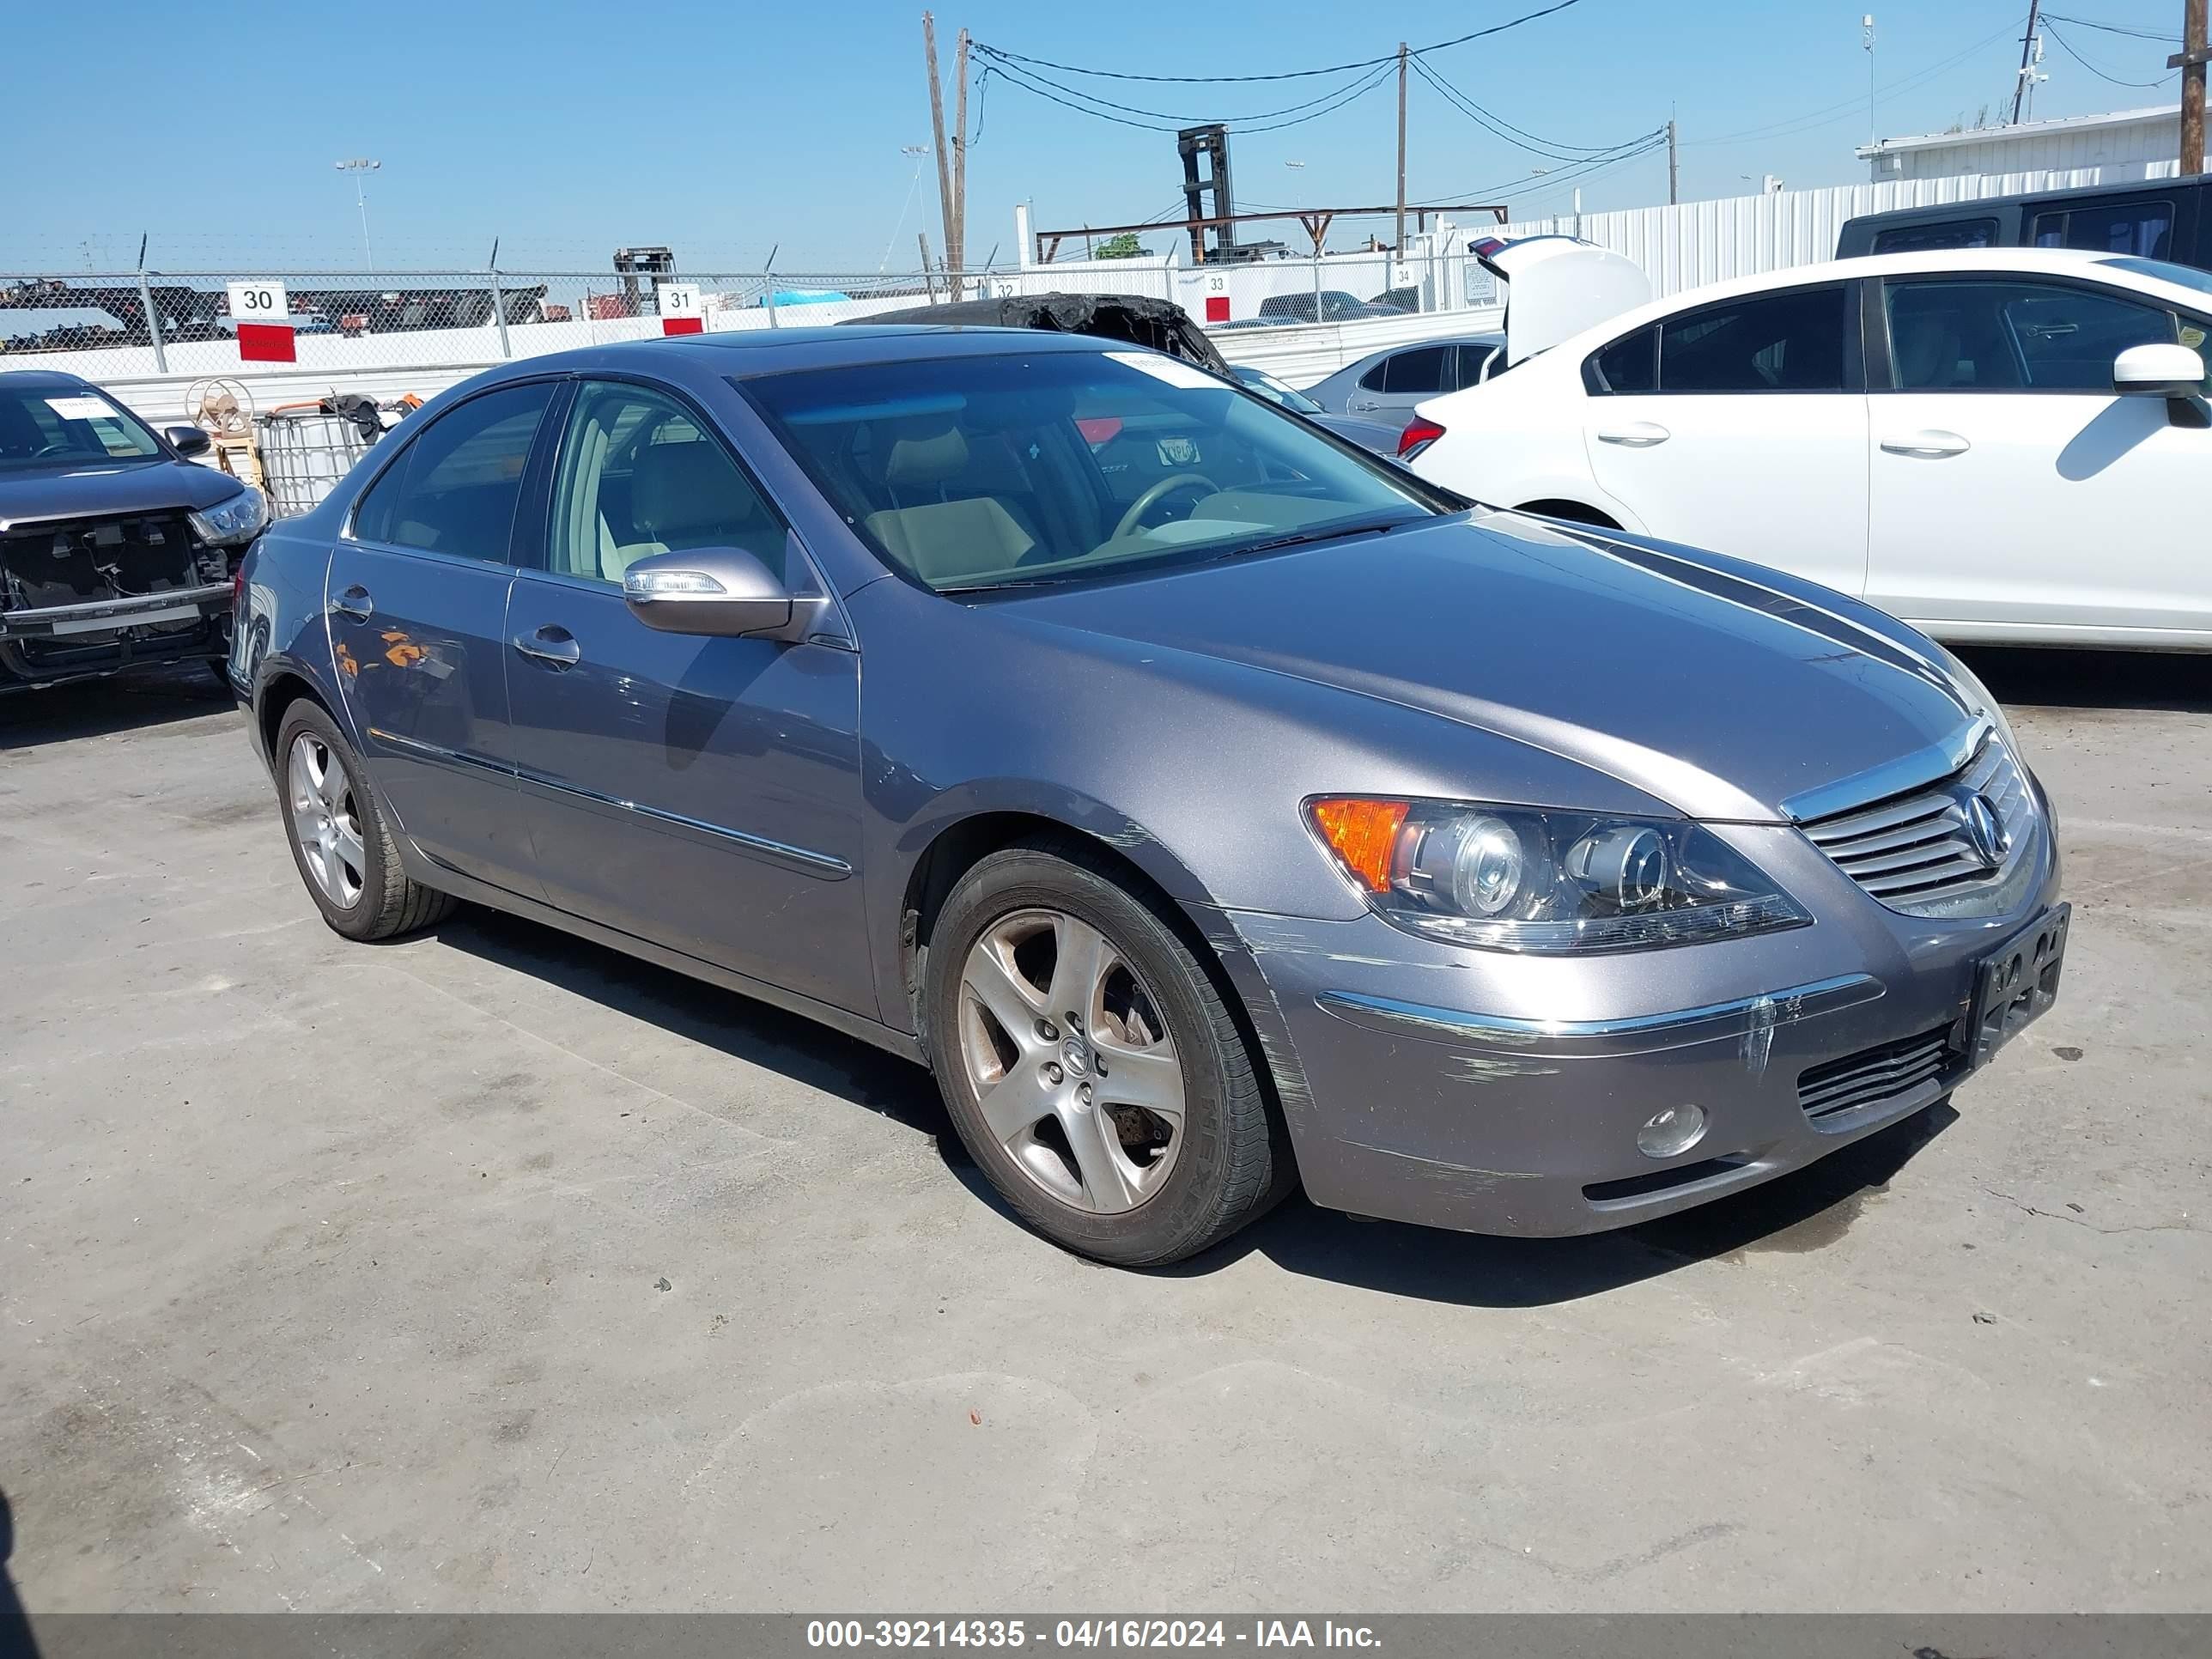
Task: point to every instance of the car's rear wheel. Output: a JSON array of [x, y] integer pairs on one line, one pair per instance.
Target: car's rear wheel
[[1090, 1064], [341, 838]]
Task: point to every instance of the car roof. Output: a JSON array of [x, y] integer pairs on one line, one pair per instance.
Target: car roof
[[741, 354], [50, 379], [2046, 261]]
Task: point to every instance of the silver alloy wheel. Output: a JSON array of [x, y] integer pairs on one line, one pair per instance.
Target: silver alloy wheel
[[325, 820], [1070, 1060]]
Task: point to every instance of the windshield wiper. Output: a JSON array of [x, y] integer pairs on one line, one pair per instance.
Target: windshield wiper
[[1317, 533]]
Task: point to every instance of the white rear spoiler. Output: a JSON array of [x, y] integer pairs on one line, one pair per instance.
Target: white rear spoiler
[[1558, 286]]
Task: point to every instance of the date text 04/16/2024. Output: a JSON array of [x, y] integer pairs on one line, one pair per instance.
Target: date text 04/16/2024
[[1086, 1633]]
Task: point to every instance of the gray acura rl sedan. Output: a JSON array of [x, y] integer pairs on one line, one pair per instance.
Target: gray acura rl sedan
[[1213, 807]]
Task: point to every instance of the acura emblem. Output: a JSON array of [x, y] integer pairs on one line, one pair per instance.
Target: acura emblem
[[1985, 831]]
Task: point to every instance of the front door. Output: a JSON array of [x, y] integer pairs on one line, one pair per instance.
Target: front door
[[1740, 426], [2010, 485], [417, 602], [702, 793]]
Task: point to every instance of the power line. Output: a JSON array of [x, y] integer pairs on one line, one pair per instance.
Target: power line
[[1498, 126], [1003, 55], [2075, 53], [1827, 115], [1169, 115], [1581, 172], [2114, 29], [1332, 102]]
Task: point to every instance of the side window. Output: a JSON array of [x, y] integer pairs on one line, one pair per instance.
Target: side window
[[1417, 370], [456, 488], [637, 475], [1372, 379], [1921, 239], [1629, 364], [1468, 362], [2144, 229], [1791, 342], [2014, 336]]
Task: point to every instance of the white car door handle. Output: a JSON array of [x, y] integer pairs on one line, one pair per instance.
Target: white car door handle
[[1930, 446], [1636, 434]]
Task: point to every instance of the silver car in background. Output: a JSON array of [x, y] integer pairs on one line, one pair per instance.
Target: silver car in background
[[1384, 385], [1212, 807]]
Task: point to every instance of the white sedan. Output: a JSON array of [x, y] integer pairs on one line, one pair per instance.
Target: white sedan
[[1993, 445]]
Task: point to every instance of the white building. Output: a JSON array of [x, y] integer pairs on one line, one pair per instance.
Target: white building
[[2130, 144]]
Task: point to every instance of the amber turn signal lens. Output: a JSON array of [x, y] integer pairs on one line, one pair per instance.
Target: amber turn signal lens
[[1363, 834]]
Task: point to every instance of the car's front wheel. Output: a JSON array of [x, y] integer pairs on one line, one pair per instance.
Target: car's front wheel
[[341, 839], [1090, 1064]]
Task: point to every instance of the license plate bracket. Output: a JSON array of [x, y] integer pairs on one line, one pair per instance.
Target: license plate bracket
[[2015, 983]]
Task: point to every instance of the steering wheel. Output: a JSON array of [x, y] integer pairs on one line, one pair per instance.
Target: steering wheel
[[59, 447], [1133, 518]]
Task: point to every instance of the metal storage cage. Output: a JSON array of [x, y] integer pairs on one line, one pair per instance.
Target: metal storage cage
[[305, 451]]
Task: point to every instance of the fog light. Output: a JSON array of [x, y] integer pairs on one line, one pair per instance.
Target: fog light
[[1675, 1130]]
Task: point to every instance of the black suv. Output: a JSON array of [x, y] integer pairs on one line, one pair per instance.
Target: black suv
[[115, 550], [2165, 219]]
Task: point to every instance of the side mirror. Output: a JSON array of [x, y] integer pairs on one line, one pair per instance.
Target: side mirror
[[2157, 370], [725, 592], [187, 440]]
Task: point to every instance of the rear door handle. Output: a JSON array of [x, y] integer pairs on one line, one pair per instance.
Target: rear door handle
[[1928, 446], [1636, 434], [552, 644], [353, 601]]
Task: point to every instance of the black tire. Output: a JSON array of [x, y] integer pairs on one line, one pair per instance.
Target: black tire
[[389, 903], [1234, 1163]]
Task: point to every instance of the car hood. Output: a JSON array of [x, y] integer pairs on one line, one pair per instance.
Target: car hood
[[83, 491], [1717, 687]]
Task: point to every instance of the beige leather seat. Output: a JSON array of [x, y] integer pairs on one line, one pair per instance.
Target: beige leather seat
[[688, 495], [952, 536]]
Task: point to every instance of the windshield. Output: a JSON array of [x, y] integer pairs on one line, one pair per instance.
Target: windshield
[[61, 426], [1276, 392], [972, 472]]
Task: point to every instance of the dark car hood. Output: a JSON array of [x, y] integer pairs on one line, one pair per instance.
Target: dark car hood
[[1697, 683], [80, 491]]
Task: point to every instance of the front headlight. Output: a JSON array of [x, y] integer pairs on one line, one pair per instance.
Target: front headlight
[[233, 522], [1530, 880]]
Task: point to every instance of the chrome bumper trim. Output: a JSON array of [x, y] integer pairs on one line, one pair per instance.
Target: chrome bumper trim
[[1635, 1034]]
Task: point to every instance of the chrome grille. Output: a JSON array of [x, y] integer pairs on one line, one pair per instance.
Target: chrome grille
[[1828, 1092], [1916, 852]]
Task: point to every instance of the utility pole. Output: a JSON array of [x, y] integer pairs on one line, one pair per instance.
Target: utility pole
[[2026, 49], [945, 209], [2190, 60], [1673, 167], [1400, 247], [956, 250]]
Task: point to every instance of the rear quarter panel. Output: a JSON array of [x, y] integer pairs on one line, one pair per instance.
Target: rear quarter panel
[[281, 628]]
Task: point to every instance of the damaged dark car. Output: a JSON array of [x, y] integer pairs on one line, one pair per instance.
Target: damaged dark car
[[116, 551]]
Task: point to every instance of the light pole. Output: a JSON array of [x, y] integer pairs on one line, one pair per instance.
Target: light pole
[[919, 152], [357, 165]]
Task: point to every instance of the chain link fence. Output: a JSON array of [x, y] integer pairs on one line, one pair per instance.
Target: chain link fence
[[139, 325]]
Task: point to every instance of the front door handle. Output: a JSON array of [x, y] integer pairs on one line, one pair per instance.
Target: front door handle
[[552, 644], [1636, 434], [1928, 445], [1363, 404], [353, 601]]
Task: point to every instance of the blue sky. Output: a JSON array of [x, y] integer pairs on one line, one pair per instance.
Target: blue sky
[[567, 128]]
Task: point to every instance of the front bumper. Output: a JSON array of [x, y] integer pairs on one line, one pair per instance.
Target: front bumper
[[44, 644], [1502, 1094]]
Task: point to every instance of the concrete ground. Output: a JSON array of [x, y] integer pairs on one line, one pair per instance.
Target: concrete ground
[[493, 1270]]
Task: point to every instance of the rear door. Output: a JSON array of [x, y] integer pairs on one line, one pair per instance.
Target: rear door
[[417, 601], [703, 794], [1740, 426], [1388, 391], [2011, 487]]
